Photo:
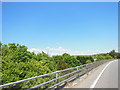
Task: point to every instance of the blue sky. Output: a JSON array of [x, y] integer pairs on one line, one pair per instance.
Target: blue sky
[[68, 25]]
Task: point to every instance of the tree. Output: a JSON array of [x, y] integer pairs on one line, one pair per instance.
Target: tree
[[0, 47], [18, 63], [62, 65], [118, 56], [88, 61], [57, 58], [71, 60], [113, 53], [81, 59]]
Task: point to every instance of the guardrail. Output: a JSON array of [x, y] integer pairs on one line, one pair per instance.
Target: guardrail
[[67, 75]]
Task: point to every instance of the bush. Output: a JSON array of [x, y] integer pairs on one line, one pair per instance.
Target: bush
[[88, 61]]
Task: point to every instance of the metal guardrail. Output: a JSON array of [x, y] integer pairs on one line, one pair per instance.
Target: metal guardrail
[[77, 71]]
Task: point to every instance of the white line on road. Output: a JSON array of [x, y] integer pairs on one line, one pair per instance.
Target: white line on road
[[95, 82]]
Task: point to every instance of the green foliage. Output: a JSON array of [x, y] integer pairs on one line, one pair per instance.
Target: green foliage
[[118, 55], [0, 47], [88, 61], [62, 65], [83, 59], [103, 57], [114, 54], [57, 58], [71, 60], [18, 63]]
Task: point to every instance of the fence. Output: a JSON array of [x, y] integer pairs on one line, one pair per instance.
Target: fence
[[59, 77]]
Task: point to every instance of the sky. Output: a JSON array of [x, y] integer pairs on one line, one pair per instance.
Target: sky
[[59, 27]]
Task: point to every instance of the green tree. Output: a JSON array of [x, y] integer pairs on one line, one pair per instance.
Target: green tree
[[113, 53], [88, 61], [62, 65], [71, 60]]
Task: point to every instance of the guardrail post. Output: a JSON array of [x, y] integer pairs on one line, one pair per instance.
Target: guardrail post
[[77, 70], [57, 80]]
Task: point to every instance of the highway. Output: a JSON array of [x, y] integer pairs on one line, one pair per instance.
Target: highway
[[104, 76]]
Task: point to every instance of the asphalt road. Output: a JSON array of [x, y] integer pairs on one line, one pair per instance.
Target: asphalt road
[[104, 76], [109, 78]]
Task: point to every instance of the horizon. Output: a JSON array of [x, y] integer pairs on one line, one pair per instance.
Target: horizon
[[59, 51], [76, 28]]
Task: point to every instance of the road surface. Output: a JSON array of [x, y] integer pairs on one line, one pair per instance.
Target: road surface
[[109, 78], [104, 76]]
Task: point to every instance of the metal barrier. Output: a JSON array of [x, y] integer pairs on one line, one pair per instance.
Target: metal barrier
[[77, 71]]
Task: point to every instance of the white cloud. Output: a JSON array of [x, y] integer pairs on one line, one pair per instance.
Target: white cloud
[[37, 50], [61, 50]]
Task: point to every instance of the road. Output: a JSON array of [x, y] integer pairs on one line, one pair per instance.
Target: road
[[104, 76], [109, 78]]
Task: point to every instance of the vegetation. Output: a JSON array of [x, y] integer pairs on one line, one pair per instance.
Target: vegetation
[[18, 63]]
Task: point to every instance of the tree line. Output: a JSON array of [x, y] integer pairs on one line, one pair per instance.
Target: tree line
[[18, 63]]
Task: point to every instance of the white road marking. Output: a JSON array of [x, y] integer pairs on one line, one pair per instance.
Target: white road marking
[[95, 82]]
